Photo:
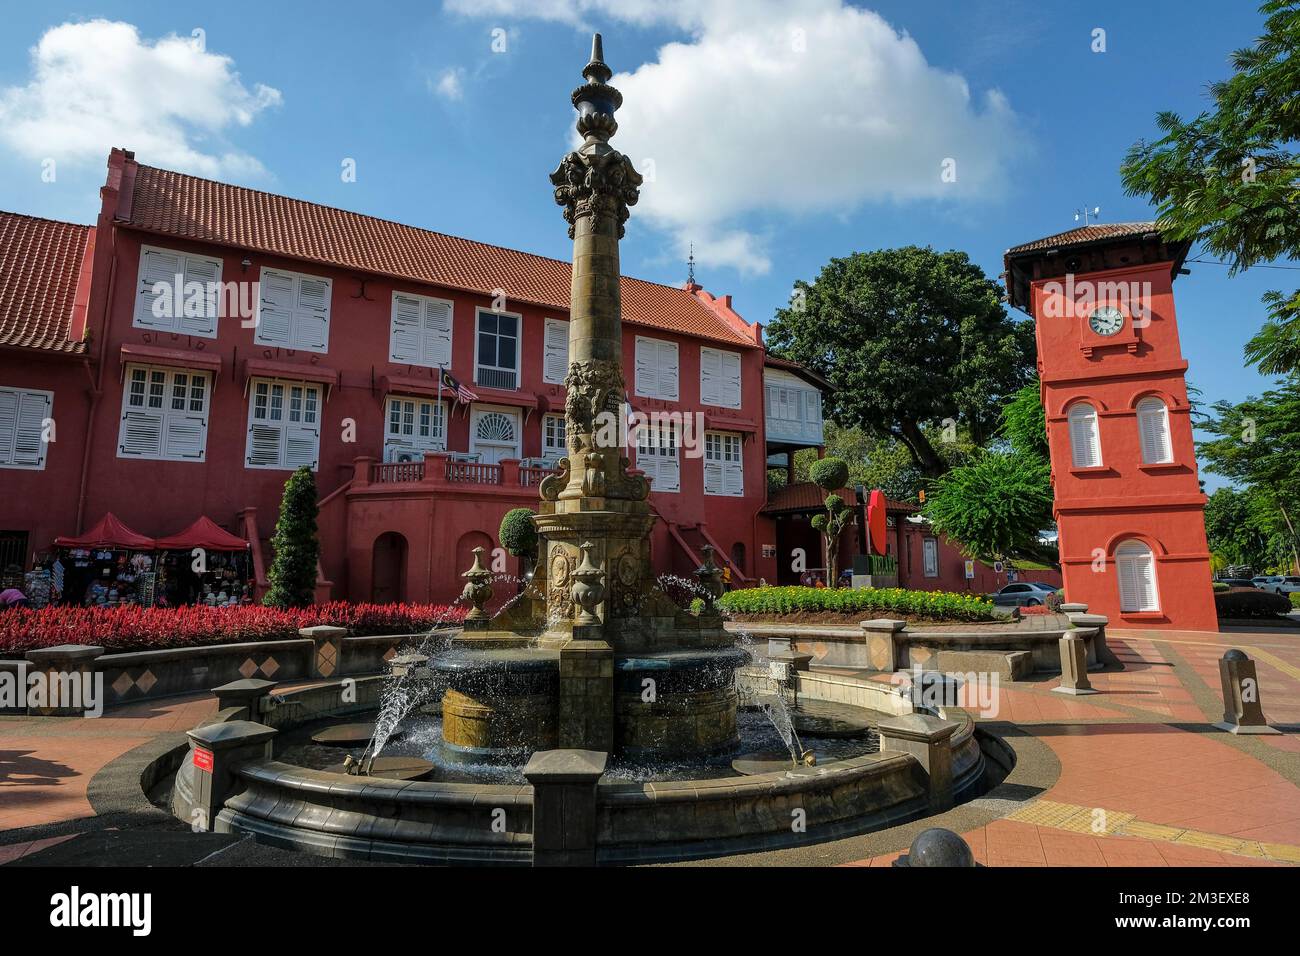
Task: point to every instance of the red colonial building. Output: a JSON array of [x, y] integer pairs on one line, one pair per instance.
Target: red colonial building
[[323, 347]]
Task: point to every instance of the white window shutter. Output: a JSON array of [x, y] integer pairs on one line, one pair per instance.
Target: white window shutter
[[1153, 430], [1085, 444], [302, 443], [668, 370], [156, 267], [670, 473], [647, 368], [206, 272], [22, 427], [405, 332], [714, 481], [142, 434], [730, 384], [1136, 570], [185, 436], [711, 377], [311, 317], [436, 344], [555, 362], [9, 402], [275, 308]]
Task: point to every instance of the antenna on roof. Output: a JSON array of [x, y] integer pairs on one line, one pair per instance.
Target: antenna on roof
[[1085, 213], [690, 266]]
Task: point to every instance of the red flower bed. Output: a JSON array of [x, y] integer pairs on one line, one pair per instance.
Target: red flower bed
[[131, 628]]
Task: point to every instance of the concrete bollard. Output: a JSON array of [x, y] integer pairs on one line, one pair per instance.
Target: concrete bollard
[[937, 847], [1074, 667], [564, 805], [929, 740], [327, 655], [69, 680], [1243, 711], [1101, 653], [244, 694], [216, 751]]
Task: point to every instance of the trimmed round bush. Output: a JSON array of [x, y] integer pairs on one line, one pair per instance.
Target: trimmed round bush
[[1248, 603], [518, 533], [830, 474]]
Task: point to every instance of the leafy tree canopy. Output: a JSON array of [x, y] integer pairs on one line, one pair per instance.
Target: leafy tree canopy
[[1228, 177], [910, 338], [995, 506]]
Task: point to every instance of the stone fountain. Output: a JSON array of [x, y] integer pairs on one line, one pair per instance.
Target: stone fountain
[[593, 656]]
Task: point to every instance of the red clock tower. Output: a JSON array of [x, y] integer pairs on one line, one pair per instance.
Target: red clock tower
[[1128, 505]]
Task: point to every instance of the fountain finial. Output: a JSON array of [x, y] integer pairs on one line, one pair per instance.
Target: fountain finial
[[596, 70]]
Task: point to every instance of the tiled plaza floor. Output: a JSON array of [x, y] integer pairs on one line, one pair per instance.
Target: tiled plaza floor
[[1144, 779]]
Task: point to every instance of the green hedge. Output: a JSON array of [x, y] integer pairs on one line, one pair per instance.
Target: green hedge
[[937, 605], [1244, 603], [1295, 599]]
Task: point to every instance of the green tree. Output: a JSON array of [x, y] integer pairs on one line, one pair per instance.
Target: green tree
[[518, 535], [1257, 446], [1239, 529], [1024, 422], [1228, 177], [830, 474], [296, 547], [910, 338], [995, 507]]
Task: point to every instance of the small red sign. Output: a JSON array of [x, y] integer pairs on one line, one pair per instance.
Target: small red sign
[[203, 759]]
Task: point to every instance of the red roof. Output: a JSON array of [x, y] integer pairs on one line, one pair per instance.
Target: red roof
[[40, 264], [203, 533], [1086, 234], [110, 533], [179, 205]]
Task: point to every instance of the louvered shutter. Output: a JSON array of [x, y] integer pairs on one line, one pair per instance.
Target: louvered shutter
[[405, 333], [711, 376], [311, 315], [142, 433], [157, 267], [667, 362], [22, 427], [1153, 429], [714, 481], [647, 367], [1136, 571], [203, 319], [1085, 446], [555, 361], [734, 467], [436, 341], [729, 387], [275, 312]]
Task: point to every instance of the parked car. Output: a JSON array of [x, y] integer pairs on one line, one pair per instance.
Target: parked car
[[1022, 594], [1237, 582], [1277, 583]]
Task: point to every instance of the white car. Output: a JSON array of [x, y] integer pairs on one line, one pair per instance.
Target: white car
[[1277, 583]]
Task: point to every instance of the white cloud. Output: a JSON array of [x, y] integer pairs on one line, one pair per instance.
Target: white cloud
[[779, 109], [449, 84], [97, 84]]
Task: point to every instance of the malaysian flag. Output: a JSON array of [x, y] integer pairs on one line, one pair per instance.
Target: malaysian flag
[[449, 382]]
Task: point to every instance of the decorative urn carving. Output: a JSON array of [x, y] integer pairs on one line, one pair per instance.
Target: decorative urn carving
[[588, 586], [478, 588]]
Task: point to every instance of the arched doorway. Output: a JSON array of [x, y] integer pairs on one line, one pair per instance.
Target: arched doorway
[[738, 557], [388, 569]]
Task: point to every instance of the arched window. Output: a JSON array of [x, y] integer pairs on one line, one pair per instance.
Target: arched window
[[1085, 442], [1153, 428], [1135, 566]]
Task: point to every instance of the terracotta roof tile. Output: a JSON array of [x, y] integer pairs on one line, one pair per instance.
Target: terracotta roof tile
[[201, 209], [1086, 234], [40, 263]]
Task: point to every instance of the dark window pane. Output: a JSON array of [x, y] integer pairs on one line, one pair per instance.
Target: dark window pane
[[506, 352]]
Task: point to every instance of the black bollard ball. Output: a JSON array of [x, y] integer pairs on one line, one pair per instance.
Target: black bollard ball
[[939, 847]]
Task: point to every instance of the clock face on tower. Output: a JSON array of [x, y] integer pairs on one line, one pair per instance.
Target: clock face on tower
[[1106, 320]]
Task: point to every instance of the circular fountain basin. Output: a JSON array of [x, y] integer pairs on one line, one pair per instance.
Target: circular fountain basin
[[677, 704], [499, 703]]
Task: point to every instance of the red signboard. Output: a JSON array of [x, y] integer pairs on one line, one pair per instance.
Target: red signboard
[[203, 759], [876, 506]]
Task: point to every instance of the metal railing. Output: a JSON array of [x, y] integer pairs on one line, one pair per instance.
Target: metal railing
[[473, 473], [505, 378]]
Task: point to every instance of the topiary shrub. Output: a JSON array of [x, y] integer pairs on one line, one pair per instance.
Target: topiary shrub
[[518, 535], [1246, 604], [829, 474], [297, 550]]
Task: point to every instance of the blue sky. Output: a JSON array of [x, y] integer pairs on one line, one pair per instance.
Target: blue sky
[[455, 114]]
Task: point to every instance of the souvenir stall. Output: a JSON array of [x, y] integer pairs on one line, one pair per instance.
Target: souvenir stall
[[204, 564], [109, 565]]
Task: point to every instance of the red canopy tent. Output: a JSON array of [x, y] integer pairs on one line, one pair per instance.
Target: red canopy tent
[[110, 534], [204, 534]]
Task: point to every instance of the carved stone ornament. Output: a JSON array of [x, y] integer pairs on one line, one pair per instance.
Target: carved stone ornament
[[552, 485], [598, 183], [594, 388]]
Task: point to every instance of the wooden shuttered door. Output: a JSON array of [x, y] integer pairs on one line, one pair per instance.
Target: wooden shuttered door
[[293, 311], [177, 292], [555, 359], [720, 378], [1135, 566], [164, 414], [657, 455], [414, 426], [23, 414], [1153, 430], [421, 331]]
